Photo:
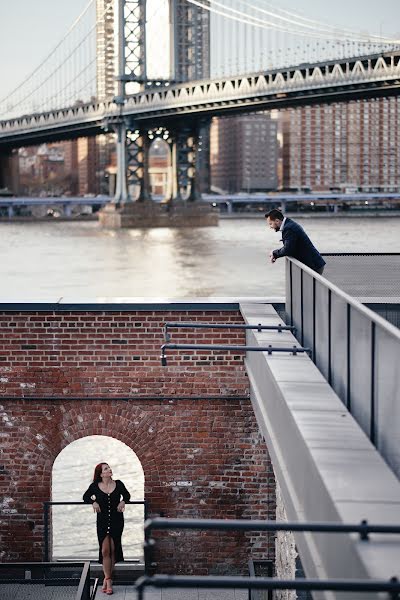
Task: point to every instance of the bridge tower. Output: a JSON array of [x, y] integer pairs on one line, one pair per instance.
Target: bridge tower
[[190, 31], [190, 60]]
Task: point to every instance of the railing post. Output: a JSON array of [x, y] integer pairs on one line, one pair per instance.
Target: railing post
[[301, 308], [46, 531], [372, 433], [348, 345], [329, 336], [291, 291], [313, 322]]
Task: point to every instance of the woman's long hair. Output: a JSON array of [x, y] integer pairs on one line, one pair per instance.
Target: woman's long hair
[[97, 472]]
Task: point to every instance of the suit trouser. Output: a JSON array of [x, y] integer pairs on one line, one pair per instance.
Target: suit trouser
[[320, 270]]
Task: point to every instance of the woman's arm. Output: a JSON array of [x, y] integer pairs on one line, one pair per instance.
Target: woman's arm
[[89, 496], [124, 492]]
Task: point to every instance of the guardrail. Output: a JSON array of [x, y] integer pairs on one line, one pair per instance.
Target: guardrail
[[355, 349], [70, 574], [46, 519], [294, 350], [392, 586]]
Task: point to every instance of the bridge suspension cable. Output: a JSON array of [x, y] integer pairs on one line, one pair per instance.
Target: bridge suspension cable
[[253, 35], [67, 74]]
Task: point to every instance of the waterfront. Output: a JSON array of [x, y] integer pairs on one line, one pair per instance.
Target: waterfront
[[78, 260]]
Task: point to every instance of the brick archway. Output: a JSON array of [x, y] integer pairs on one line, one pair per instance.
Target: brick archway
[[202, 454], [200, 458]]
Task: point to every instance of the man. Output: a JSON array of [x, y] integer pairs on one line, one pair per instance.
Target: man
[[296, 242]]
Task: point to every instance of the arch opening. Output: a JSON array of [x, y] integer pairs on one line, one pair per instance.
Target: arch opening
[[73, 530], [160, 169]]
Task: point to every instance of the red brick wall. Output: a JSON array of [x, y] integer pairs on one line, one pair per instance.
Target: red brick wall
[[212, 443]]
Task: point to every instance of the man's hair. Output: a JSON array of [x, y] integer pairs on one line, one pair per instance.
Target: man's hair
[[274, 214]]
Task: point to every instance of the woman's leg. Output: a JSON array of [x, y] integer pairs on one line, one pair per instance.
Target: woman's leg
[[112, 546], [106, 553]]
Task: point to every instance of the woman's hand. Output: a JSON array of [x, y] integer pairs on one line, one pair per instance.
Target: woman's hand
[[96, 507], [121, 506]]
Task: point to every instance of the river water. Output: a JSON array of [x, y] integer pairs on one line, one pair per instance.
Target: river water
[[78, 260]]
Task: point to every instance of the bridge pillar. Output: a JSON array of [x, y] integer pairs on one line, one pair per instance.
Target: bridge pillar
[[181, 162], [121, 189], [138, 146], [194, 169]]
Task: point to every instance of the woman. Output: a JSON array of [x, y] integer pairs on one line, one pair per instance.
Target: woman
[[105, 496]]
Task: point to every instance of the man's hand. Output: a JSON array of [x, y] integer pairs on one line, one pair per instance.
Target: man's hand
[[272, 257]]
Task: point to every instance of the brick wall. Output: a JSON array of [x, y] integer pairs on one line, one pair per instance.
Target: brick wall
[[202, 456]]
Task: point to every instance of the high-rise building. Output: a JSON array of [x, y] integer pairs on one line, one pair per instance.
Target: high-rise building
[[105, 49], [87, 156], [244, 153], [190, 41], [342, 146]]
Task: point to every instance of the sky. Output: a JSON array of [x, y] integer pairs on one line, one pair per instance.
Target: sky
[[30, 29]]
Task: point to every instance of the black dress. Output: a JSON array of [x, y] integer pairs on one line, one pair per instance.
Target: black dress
[[109, 520]]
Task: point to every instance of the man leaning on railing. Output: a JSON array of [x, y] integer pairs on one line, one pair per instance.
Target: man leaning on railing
[[296, 242]]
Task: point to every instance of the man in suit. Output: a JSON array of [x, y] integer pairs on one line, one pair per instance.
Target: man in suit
[[296, 242]]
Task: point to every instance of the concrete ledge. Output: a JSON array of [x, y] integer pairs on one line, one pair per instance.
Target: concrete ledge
[[121, 304], [325, 465]]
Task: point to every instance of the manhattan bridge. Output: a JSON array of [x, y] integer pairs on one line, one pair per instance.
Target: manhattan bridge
[[162, 69]]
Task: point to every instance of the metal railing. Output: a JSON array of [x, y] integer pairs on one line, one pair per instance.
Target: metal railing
[[72, 574], [194, 325], [355, 349], [392, 586], [365, 275], [46, 519], [294, 350]]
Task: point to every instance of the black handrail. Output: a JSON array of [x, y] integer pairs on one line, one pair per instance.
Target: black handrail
[[194, 325], [363, 528], [270, 349], [392, 586], [46, 528]]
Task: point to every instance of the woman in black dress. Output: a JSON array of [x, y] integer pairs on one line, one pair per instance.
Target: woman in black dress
[[105, 496]]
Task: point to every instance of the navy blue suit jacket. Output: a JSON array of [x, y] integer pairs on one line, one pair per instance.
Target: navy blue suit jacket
[[297, 244]]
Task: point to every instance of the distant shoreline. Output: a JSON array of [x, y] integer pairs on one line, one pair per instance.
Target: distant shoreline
[[223, 216], [316, 215]]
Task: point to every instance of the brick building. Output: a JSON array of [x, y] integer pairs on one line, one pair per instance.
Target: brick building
[[244, 153], [342, 145]]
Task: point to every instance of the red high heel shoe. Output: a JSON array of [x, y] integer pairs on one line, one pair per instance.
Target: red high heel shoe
[[108, 591]]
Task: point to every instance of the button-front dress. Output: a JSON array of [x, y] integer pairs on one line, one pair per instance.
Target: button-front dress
[[109, 520]]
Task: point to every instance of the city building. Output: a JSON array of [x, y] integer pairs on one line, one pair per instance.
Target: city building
[[160, 169], [244, 153], [346, 147], [105, 50]]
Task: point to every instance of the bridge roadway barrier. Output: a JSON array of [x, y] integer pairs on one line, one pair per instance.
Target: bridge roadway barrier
[[325, 465]]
